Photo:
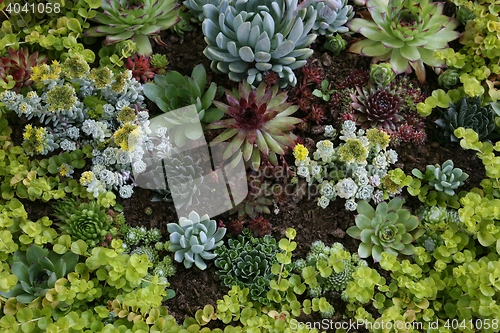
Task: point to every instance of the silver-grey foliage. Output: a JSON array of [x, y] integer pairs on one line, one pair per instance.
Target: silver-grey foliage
[[248, 39], [332, 16]]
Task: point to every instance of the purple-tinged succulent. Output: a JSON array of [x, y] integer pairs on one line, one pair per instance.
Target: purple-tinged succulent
[[140, 67], [373, 107], [17, 65], [259, 124]]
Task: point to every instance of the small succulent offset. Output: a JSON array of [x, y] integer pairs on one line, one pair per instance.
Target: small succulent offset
[[449, 78], [382, 74], [468, 113], [84, 220], [249, 39], [332, 16], [140, 67], [15, 69], [404, 32], [137, 20], [260, 123], [389, 228], [193, 239], [335, 44], [445, 178], [37, 271]]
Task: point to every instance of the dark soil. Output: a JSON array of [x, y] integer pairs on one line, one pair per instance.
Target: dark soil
[[194, 288]]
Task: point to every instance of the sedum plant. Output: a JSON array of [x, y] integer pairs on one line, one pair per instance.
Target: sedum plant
[[259, 124], [445, 178], [332, 16], [468, 112], [37, 271], [405, 33], [193, 239], [249, 39], [138, 20], [84, 220], [389, 228]]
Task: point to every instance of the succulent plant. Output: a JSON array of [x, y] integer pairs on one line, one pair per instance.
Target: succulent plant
[[344, 262], [193, 239], [389, 228], [445, 178], [404, 32], [159, 62], [260, 227], [335, 44], [246, 262], [15, 68], [173, 91], [137, 20], [260, 123], [332, 16], [468, 113], [83, 220], [187, 180], [140, 68], [35, 12], [37, 271], [247, 39], [382, 74], [449, 78], [196, 8], [258, 200], [376, 107]]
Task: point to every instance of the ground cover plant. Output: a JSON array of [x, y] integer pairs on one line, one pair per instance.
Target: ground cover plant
[[367, 132]]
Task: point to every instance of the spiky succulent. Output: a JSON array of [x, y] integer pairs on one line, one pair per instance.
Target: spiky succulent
[[247, 39], [376, 107], [449, 78], [405, 32], [332, 16], [389, 228], [140, 67], [382, 74], [246, 262], [193, 239], [468, 113], [259, 124], [135, 19], [37, 271], [335, 43], [83, 220], [445, 178], [15, 68]]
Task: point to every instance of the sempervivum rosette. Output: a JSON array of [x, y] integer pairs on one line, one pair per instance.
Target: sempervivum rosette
[[376, 108], [248, 39]]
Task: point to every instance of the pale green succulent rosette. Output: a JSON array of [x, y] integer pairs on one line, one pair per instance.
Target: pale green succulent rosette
[[405, 32], [137, 19], [249, 39], [388, 228]]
